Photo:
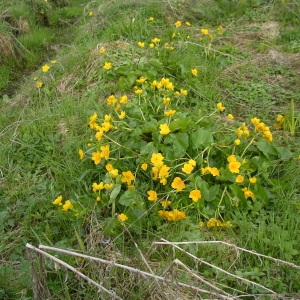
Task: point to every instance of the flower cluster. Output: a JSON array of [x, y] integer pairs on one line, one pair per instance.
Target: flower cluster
[[213, 222], [174, 215], [66, 206], [154, 156]]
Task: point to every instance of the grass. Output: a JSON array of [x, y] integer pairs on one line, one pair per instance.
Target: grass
[[250, 72]]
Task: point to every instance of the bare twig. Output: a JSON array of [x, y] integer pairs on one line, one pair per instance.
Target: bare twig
[[133, 270], [234, 246], [193, 273], [64, 264], [217, 268]]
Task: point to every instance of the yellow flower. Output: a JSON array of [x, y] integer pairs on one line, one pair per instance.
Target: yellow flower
[[108, 186], [164, 129], [107, 66], [178, 184], [97, 187], [163, 172], [106, 126], [183, 92], [127, 177], [39, 84], [151, 45], [239, 179], [234, 166], [214, 171], [53, 61], [220, 106], [109, 167], [155, 171], [231, 158], [105, 152], [141, 80], [204, 31], [195, 195], [239, 132], [151, 19], [187, 23], [201, 224], [192, 162], [114, 173], [81, 154], [237, 142], [96, 157], [68, 205], [57, 201], [111, 100], [141, 44], [138, 91], [122, 217], [107, 118], [255, 121], [102, 50], [90, 13], [230, 116], [187, 168], [157, 159], [194, 72], [253, 180], [213, 222], [174, 215], [99, 134], [280, 118], [178, 24], [144, 166], [152, 195], [247, 193], [163, 181], [124, 99], [98, 199], [155, 40], [45, 68], [220, 28], [268, 136], [166, 101], [122, 115], [169, 113]]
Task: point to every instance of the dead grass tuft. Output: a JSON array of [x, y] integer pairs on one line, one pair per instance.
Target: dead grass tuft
[[7, 47]]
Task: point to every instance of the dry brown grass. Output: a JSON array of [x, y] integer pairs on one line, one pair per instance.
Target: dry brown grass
[[7, 47]]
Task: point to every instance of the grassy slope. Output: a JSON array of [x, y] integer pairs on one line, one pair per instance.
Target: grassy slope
[[257, 73]]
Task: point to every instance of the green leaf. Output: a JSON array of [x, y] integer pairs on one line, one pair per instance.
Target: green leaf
[[182, 124], [149, 149], [125, 82], [260, 194], [201, 138], [115, 192], [180, 142], [266, 148], [212, 193], [155, 62], [123, 70], [128, 198], [283, 153]]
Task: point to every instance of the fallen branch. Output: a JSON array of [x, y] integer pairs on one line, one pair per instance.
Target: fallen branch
[[64, 264]]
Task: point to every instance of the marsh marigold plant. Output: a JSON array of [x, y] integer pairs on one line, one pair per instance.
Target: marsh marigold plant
[[147, 156]]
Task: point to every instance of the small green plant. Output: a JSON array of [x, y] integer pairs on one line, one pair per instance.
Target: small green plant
[[291, 120]]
